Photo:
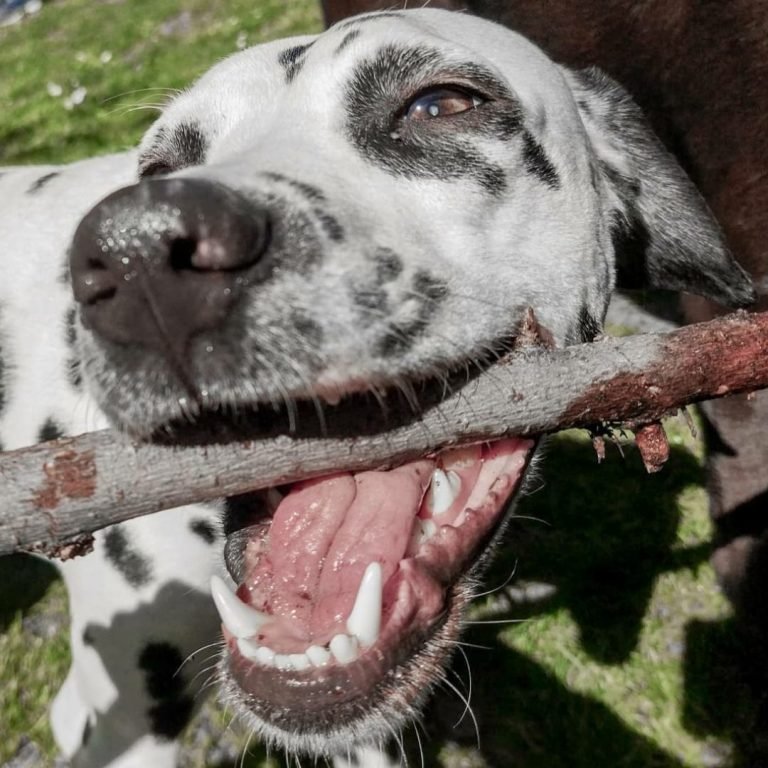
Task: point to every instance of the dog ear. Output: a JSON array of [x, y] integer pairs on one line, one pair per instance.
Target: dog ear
[[663, 232]]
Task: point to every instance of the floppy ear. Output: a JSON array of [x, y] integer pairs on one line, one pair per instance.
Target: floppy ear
[[663, 232]]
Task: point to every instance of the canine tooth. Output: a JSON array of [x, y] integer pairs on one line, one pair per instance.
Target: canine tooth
[[248, 649], [443, 491], [318, 655], [364, 621], [265, 656], [240, 619], [299, 661], [274, 497], [344, 648]]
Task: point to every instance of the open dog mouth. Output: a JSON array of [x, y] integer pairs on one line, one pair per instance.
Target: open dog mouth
[[349, 589], [343, 581]]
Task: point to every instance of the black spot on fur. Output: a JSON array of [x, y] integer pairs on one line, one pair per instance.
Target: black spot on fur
[[50, 431], [388, 265], [190, 144], [292, 60], [429, 287], [71, 330], [204, 529], [429, 292], [330, 225], [307, 328], [369, 17], [348, 38], [537, 163], [156, 159], [74, 376], [134, 567], [631, 239], [312, 193], [160, 663], [377, 94], [171, 150], [39, 183], [372, 298], [65, 276], [589, 328]]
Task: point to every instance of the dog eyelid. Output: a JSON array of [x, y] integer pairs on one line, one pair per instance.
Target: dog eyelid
[[441, 102]]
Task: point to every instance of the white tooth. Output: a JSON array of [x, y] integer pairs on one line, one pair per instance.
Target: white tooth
[[423, 531], [299, 661], [248, 649], [240, 619], [344, 648], [274, 497], [283, 661], [364, 621], [265, 656], [443, 491], [428, 529], [318, 655]]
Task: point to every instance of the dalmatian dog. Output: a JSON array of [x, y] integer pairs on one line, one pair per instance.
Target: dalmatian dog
[[316, 225]]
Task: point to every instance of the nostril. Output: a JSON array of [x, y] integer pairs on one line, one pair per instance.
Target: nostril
[[95, 287], [181, 253], [95, 264]]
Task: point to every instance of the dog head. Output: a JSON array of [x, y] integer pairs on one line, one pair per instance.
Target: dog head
[[366, 211]]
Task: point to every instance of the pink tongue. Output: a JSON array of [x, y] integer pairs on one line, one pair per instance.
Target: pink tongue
[[324, 534]]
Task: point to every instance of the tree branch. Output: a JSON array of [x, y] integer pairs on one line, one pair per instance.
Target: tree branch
[[55, 494]]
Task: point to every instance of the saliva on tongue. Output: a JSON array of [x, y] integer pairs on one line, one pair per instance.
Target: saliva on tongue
[[327, 531]]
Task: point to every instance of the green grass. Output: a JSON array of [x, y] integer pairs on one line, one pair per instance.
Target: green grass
[[628, 658]]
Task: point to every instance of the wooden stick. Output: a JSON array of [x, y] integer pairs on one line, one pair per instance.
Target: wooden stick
[[55, 494]]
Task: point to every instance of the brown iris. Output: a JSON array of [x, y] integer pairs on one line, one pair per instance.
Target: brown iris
[[441, 102]]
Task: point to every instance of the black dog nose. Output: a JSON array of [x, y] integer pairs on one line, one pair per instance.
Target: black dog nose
[[159, 262]]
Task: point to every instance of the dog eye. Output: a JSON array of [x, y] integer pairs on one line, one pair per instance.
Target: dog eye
[[441, 102]]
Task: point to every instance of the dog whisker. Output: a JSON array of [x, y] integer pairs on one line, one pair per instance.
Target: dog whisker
[[467, 707], [500, 586]]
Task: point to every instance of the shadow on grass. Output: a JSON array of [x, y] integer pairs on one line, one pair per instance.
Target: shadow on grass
[[726, 685], [606, 536], [23, 581]]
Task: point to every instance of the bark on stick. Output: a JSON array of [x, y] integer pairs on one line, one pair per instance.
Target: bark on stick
[[55, 494]]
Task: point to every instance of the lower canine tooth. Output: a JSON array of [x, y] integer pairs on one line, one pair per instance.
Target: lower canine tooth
[[364, 621], [344, 648], [240, 619], [443, 491], [318, 655]]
